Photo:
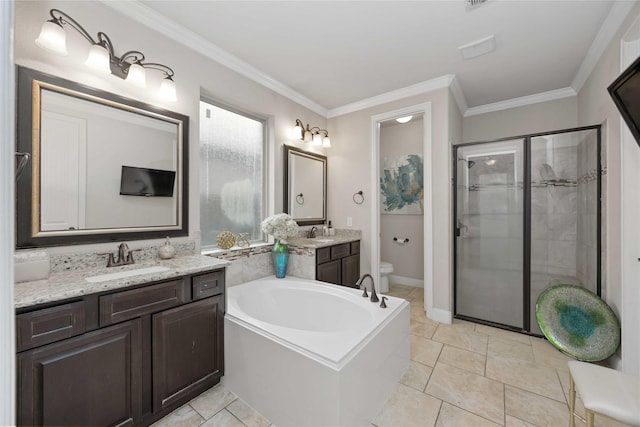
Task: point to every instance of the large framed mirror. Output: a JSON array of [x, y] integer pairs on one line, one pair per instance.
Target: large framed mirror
[[102, 167], [305, 186]]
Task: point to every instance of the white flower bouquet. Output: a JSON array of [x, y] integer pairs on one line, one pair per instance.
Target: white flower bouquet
[[280, 226]]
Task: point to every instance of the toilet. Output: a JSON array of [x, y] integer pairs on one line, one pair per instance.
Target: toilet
[[386, 268]]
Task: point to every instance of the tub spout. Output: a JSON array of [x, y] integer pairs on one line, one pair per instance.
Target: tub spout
[[374, 296]]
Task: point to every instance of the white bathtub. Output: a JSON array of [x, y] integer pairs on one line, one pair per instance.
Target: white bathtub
[[307, 353]]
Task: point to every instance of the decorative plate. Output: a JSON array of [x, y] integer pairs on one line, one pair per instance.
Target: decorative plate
[[226, 239], [578, 323]]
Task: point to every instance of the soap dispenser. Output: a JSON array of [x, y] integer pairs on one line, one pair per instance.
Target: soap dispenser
[[331, 230], [325, 230], [167, 250]]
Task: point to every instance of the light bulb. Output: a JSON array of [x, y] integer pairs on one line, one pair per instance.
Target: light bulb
[[99, 59], [137, 75], [307, 136], [326, 142], [168, 89], [296, 132], [317, 139], [403, 119], [53, 38]]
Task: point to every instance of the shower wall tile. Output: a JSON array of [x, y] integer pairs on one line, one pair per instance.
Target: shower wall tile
[[539, 200], [539, 254], [562, 227], [564, 162], [563, 200], [539, 226], [562, 254]]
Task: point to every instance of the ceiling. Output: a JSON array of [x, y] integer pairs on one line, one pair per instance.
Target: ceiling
[[337, 53]]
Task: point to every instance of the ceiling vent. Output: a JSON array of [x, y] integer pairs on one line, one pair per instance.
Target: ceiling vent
[[471, 4], [478, 47]]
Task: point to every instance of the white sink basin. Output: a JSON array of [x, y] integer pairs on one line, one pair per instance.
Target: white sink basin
[[324, 240], [127, 273]]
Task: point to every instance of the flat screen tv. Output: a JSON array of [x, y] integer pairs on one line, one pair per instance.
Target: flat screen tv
[[625, 91], [146, 182]]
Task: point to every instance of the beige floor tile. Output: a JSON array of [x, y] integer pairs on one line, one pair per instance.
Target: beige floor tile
[[245, 413], [516, 422], [400, 291], [212, 401], [408, 408], [474, 393], [462, 337], [508, 348], [464, 324], [425, 351], [534, 408], [526, 375], [416, 376], [418, 313], [501, 333], [223, 418], [416, 294], [463, 359], [184, 416], [452, 416], [423, 329], [547, 354]]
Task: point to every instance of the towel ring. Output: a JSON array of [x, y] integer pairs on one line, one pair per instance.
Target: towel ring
[[300, 199], [358, 198]]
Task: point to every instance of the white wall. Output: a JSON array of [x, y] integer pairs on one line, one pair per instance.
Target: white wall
[[595, 106], [194, 74], [541, 117], [400, 140], [7, 198]]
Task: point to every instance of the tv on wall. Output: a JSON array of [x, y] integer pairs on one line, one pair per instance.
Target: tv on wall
[[625, 91], [146, 182]]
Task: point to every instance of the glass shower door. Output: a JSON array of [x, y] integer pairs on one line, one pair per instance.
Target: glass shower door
[[490, 236]]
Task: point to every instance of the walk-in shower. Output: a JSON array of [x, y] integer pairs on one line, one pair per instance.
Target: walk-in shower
[[527, 216]]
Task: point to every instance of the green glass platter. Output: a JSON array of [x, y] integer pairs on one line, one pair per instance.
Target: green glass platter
[[578, 322]]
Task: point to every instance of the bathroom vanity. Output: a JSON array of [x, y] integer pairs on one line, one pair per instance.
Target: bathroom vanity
[[339, 264], [126, 354]]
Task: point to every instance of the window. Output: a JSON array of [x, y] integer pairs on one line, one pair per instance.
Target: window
[[232, 187]]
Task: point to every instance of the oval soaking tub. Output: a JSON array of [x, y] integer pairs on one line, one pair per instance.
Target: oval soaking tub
[[308, 353]]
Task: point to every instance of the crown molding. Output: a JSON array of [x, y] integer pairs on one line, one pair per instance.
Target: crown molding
[[458, 95], [522, 101], [609, 28], [158, 22], [394, 95]]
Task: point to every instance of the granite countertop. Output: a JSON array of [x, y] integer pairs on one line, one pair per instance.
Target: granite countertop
[[321, 241], [71, 284]]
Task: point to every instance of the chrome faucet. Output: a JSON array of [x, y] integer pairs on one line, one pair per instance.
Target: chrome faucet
[[312, 232], [374, 297]]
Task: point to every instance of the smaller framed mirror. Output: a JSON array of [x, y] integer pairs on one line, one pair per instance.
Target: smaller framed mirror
[[305, 186]]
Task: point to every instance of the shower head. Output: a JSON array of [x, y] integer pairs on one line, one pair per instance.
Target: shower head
[[547, 173]]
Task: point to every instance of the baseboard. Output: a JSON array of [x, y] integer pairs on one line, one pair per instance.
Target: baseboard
[[439, 315], [407, 281]]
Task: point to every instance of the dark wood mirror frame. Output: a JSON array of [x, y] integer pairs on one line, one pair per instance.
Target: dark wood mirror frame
[[27, 83], [289, 150]]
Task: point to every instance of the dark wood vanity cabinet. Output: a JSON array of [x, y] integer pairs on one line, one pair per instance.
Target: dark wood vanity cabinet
[[339, 264], [124, 358]]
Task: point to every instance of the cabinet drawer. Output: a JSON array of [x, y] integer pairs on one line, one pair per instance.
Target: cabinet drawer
[[323, 255], [355, 247], [125, 305], [339, 251], [207, 285], [49, 325]]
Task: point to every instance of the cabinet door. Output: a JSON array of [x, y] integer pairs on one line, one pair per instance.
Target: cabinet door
[[188, 350], [350, 270], [92, 379], [329, 272]]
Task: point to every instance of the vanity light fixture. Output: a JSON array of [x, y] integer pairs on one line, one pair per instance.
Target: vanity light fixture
[[319, 137], [129, 66]]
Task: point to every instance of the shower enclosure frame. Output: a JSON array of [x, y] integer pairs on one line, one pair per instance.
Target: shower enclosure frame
[[526, 265]]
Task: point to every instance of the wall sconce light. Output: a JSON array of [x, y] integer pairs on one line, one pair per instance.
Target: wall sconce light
[[129, 66], [315, 135]]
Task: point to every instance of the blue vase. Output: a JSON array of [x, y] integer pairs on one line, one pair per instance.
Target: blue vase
[[280, 256]]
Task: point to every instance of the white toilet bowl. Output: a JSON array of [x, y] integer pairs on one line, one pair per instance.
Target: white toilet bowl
[[386, 268]]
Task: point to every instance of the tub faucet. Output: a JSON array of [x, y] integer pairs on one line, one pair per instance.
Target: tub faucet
[[374, 297]]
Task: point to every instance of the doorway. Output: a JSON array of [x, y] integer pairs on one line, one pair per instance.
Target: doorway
[[527, 217]]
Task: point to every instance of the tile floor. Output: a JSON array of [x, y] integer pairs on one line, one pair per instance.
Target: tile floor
[[460, 375]]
